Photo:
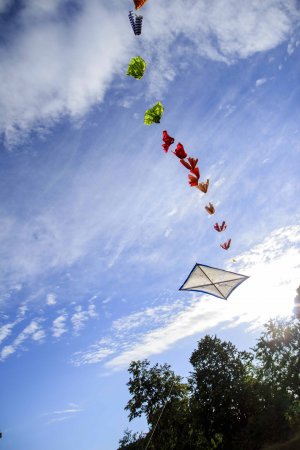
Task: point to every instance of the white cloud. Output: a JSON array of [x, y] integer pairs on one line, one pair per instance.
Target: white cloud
[[64, 414], [260, 82], [7, 351], [72, 409], [94, 355], [22, 310], [292, 45], [32, 330], [57, 67], [290, 48], [155, 315], [80, 317], [59, 325], [54, 67], [5, 330], [39, 336], [221, 31], [51, 299], [126, 330], [59, 419]]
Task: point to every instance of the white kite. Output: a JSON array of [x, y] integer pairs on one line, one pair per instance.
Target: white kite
[[213, 281]]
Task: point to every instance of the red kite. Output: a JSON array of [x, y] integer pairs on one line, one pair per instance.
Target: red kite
[[203, 187], [191, 164], [193, 181], [196, 172], [226, 245], [194, 176], [180, 152], [221, 227], [168, 140], [210, 208]]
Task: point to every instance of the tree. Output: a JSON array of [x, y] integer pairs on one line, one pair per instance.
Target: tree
[[162, 396], [277, 352], [233, 400], [165, 400], [151, 388], [132, 441], [221, 388], [278, 356]]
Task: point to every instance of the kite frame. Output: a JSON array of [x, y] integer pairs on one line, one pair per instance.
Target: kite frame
[[204, 292]]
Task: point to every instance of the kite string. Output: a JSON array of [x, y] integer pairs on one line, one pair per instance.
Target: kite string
[[160, 415]]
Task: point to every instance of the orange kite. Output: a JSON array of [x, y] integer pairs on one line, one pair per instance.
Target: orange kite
[[139, 3]]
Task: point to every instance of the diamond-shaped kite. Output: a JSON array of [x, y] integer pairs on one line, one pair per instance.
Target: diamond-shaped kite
[[213, 281]]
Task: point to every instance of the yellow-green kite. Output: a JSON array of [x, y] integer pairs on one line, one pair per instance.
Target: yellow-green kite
[[154, 114], [136, 67]]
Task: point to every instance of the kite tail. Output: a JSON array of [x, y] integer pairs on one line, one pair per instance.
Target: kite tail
[[131, 20], [138, 25]]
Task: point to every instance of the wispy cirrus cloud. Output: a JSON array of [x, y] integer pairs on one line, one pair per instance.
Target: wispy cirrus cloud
[[126, 330], [5, 330], [51, 299], [59, 326], [64, 414], [32, 331], [81, 317]]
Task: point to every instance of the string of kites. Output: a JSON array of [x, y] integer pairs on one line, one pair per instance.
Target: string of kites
[[136, 69], [193, 179], [202, 278]]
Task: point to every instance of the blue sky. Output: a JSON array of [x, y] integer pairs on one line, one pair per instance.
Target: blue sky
[[99, 227]]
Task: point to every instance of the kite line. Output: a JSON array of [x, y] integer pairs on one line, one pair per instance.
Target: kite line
[[159, 417]]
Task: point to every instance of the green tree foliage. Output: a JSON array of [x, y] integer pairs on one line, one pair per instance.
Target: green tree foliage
[[278, 370], [132, 441], [233, 400], [277, 352], [151, 387], [221, 381], [163, 398]]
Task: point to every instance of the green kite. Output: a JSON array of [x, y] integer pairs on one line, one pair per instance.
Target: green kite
[[154, 114], [136, 67]]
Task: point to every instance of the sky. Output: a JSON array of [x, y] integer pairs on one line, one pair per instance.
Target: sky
[[99, 227]]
